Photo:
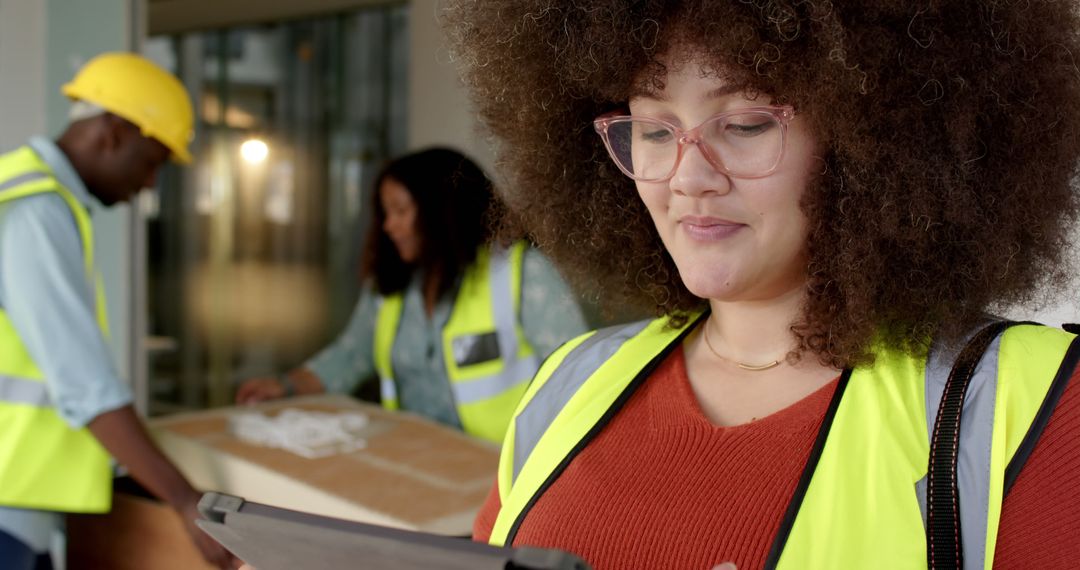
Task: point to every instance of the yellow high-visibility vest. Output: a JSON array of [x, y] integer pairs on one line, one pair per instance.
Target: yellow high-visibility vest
[[863, 502], [488, 360], [44, 463]]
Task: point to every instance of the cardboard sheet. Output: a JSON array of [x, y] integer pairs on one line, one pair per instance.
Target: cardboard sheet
[[412, 473]]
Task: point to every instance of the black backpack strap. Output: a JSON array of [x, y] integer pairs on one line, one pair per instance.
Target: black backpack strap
[[944, 546]]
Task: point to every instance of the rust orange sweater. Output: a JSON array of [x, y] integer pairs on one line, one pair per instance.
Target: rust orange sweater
[[663, 488]]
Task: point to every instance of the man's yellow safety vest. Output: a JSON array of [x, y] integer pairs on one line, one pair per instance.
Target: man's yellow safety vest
[[861, 502], [489, 362], [44, 463]]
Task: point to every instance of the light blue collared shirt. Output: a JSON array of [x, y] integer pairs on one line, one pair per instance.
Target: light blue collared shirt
[[45, 291]]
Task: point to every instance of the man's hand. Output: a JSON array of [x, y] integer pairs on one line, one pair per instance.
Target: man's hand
[[211, 551], [125, 437]]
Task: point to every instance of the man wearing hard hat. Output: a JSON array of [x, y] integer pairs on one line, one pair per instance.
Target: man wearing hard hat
[[63, 409]]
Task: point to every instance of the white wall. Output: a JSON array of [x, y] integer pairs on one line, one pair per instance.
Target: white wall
[[1064, 311], [439, 110], [22, 71], [1066, 308]]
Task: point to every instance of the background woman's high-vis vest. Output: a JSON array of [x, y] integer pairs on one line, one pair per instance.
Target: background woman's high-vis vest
[[488, 360], [865, 504], [44, 463]]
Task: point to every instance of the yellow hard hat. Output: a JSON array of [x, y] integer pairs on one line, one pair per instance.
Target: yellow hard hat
[[133, 87]]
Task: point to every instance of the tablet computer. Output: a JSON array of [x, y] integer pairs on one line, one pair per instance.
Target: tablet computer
[[272, 538]]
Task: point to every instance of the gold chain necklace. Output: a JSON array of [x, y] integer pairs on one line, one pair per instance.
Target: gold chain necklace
[[743, 365]]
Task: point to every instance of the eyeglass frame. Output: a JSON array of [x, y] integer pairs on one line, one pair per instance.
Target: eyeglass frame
[[782, 113]]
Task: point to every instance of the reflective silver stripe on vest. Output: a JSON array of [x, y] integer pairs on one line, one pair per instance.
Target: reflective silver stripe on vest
[[976, 439], [501, 283], [518, 371], [577, 367], [15, 390], [515, 370], [387, 389], [22, 179]]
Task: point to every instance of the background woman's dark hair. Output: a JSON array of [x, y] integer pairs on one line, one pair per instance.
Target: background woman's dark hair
[[950, 132], [453, 199]]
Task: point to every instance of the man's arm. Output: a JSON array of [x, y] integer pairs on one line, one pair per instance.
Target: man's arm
[[124, 436]]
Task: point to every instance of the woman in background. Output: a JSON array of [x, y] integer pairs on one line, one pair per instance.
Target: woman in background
[[453, 325]]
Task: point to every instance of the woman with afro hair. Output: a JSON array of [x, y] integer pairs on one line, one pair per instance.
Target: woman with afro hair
[[825, 202]]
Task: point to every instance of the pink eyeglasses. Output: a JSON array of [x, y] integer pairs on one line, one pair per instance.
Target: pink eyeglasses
[[744, 143]]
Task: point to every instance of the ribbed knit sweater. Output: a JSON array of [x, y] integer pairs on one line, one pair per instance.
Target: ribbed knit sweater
[[663, 488]]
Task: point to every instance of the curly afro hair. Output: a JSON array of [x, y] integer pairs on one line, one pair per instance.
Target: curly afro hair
[[951, 133]]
